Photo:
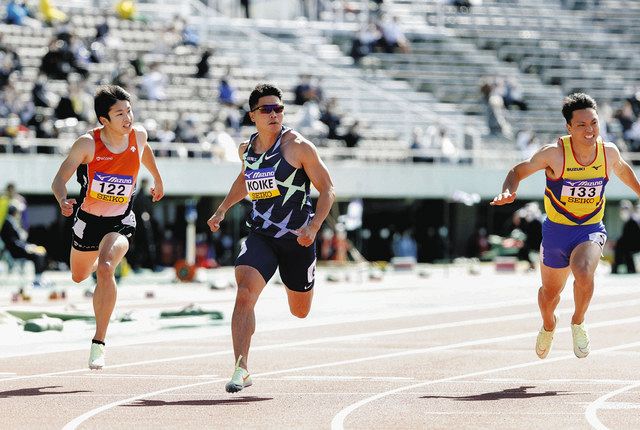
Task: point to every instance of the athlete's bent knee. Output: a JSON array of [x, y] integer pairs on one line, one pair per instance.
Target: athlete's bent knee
[[300, 313], [105, 269], [78, 277]]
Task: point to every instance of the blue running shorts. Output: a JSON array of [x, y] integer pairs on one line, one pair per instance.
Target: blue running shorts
[[297, 263], [559, 241]]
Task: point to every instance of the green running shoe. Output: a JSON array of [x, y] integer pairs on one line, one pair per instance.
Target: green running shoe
[[239, 380]]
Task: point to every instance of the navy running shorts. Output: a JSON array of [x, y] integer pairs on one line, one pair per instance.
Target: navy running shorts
[[559, 241], [88, 229], [297, 264]]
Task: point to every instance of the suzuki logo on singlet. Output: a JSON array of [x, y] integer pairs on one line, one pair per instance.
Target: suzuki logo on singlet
[[104, 158], [574, 169]]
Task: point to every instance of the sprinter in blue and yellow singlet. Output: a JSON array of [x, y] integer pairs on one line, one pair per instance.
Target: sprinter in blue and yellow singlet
[[278, 168], [577, 170]]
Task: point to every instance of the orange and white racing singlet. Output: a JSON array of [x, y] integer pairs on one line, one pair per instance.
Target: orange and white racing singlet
[[109, 180]]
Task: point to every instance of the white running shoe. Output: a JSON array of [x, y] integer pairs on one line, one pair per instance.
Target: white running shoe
[[580, 340], [96, 356], [544, 340], [239, 380]]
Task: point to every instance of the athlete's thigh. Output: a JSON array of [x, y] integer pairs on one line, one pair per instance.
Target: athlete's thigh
[[258, 253], [82, 263], [554, 279], [112, 248], [250, 279], [297, 265]]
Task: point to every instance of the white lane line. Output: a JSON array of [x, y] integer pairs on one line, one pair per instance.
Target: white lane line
[[464, 323], [77, 421], [338, 420], [592, 410]]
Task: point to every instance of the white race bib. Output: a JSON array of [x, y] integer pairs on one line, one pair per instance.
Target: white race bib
[[261, 183], [116, 189]]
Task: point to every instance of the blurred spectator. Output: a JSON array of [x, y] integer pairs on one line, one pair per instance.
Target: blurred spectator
[[629, 242], [512, 95], [189, 35], [9, 63], [246, 6], [40, 94], [308, 119], [59, 61], [78, 103], [51, 15], [144, 250], [11, 197], [307, 90], [125, 77], [634, 101], [15, 241], [491, 89], [393, 37], [331, 118], [226, 93], [223, 146], [126, 9], [203, 64], [352, 136], [418, 144], [153, 84], [626, 118], [364, 41], [18, 13]]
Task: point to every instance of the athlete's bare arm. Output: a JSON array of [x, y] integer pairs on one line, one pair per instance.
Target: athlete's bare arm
[[306, 154], [81, 153], [237, 192], [149, 161], [621, 168], [548, 157]]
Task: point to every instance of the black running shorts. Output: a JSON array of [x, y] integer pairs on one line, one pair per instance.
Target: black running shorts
[[88, 229], [297, 263]]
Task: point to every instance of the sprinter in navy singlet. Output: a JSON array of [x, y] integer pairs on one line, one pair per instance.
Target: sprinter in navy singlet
[[278, 168]]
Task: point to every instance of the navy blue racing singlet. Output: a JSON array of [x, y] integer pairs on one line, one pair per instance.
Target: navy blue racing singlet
[[279, 192]]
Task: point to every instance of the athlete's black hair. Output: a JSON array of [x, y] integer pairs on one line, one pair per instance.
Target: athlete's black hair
[[106, 96], [262, 90], [577, 101]]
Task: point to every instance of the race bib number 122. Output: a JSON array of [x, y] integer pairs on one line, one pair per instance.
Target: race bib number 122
[[111, 188]]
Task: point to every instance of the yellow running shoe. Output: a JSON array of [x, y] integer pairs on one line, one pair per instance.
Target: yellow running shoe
[[96, 356], [580, 340], [239, 380], [544, 340]]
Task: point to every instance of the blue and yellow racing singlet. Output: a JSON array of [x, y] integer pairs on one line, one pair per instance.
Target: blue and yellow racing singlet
[[577, 196]]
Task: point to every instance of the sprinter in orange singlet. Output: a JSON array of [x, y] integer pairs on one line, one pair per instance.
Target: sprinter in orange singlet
[[577, 168], [106, 160]]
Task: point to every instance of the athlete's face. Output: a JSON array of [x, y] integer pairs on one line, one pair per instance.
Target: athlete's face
[[266, 116], [584, 126], [121, 117]]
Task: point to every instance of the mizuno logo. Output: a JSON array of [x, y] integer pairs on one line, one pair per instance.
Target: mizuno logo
[[597, 167], [102, 177]]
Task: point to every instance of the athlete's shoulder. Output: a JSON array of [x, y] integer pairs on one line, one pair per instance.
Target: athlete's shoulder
[[141, 133], [294, 137]]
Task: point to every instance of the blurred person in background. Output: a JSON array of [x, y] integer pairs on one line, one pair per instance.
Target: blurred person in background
[[577, 169], [629, 241], [279, 166]]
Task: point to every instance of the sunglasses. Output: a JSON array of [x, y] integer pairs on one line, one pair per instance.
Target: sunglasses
[[269, 108]]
